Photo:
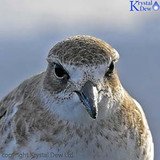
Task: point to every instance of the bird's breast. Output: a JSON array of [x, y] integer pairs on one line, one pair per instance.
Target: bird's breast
[[77, 144]]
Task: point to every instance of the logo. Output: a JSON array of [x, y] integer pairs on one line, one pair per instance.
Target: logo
[[144, 6]]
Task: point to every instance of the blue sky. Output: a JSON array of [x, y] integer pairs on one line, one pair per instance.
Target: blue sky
[[28, 29]]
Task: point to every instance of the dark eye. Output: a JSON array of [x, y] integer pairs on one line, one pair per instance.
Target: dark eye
[[110, 69], [60, 73]]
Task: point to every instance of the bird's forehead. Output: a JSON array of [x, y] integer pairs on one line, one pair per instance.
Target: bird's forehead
[[85, 72], [83, 50]]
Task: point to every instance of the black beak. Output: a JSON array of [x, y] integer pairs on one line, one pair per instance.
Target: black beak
[[88, 96]]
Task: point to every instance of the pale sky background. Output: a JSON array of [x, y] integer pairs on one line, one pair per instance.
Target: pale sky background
[[29, 28]]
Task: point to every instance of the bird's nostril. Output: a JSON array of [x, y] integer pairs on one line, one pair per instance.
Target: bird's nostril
[[83, 95], [77, 92]]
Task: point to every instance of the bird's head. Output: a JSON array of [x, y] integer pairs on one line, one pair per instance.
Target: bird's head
[[81, 80]]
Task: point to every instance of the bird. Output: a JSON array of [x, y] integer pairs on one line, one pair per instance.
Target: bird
[[76, 109]]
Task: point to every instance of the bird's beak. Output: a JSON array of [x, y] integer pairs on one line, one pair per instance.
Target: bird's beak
[[88, 96]]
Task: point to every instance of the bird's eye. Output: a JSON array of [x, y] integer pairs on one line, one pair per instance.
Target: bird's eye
[[110, 69], [60, 73]]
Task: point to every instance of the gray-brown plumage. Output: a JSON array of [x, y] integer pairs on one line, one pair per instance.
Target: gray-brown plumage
[[76, 109]]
